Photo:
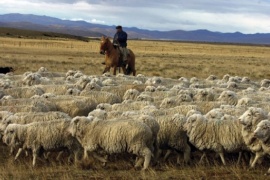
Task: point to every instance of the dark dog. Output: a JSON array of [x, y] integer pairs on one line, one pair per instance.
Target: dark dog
[[5, 70]]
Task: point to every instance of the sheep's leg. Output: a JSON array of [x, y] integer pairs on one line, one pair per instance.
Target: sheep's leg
[[59, 155], [35, 154], [147, 158], [202, 157], [18, 153], [101, 159], [239, 157], [158, 153], [85, 154], [257, 157], [139, 162], [186, 155], [168, 152], [268, 172], [222, 158]]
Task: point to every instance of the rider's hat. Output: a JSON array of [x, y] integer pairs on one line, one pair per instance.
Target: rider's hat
[[118, 27]]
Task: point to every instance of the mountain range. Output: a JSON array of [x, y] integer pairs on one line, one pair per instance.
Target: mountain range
[[86, 29]]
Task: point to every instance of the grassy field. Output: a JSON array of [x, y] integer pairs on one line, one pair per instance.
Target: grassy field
[[153, 58]]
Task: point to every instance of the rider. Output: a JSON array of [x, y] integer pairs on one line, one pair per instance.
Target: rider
[[120, 39]]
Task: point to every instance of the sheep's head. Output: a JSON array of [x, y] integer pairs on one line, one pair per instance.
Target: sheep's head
[[99, 114], [184, 98], [262, 131], [192, 121], [228, 97], [214, 114], [131, 94], [144, 97], [168, 102], [10, 135], [252, 116], [77, 126]]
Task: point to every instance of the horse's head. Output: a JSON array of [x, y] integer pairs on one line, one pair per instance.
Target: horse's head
[[104, 44]]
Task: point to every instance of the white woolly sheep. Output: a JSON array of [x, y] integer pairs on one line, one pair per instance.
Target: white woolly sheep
[[98, 114], [228, 97], [262, 132], [104, 106], [249, 121], [265, 83], [204, 95], [37, 136], [73, 92], [101, 96], [24, 92], [131, 94], [92, 86], [219, 136], [115, 136], [172, 137]]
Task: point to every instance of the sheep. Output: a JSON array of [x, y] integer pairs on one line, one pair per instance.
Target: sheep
[[56, 89], [229, 97], [145, 97], [82, 82], [101, 96], [92, 86], [38, 136], [98, 114], [244, 102], [28, 117], [249, 119], [204, 95], [73, 105], [262, 132], [172, 137], [211, 78], [24, 92], [134, 105], [265, 83], [42, 104], [219, 136], [131, 94], [104, 106], [32, 79], [115, 136], [175, 101], [214, 114], [150, 89], [73, 92], [192, 111]]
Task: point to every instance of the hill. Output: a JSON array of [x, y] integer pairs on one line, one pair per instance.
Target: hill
[[19, 33], [83, 28]]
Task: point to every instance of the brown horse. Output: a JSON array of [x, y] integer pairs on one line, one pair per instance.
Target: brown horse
[[113, 60]]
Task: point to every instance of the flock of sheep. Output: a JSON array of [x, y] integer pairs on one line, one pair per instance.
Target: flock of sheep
[[100, 116]]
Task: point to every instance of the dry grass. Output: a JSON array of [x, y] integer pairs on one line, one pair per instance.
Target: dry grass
[[153, 58]]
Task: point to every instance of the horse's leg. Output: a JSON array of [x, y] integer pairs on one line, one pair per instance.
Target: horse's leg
[[124, 70], [107, 69], [114, 70]]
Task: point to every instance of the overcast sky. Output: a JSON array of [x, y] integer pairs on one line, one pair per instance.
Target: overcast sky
[[246, 16]]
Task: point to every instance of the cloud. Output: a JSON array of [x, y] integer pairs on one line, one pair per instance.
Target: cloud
[[247, 16]]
